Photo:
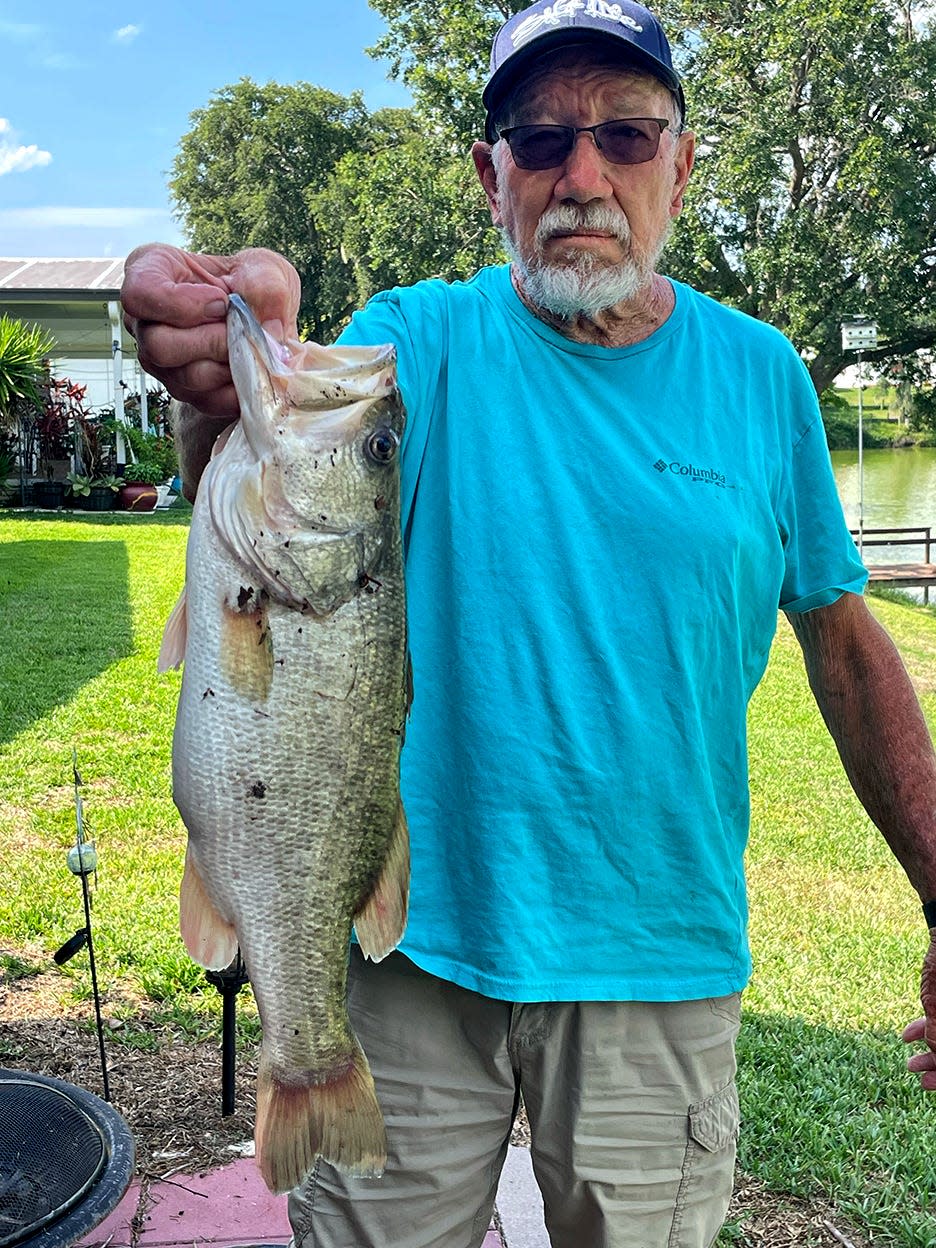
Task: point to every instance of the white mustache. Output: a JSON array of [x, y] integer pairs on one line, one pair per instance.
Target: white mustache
[[571, 217]]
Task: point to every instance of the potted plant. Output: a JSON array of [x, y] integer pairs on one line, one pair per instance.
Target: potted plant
[[7, 465], [93, 493], [24, 350], [139, 492]]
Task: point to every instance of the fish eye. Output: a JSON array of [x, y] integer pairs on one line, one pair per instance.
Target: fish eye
[[381, 446]]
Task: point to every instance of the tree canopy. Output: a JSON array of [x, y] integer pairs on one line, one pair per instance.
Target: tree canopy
[[814, 194], [813, 197], [246, 172]]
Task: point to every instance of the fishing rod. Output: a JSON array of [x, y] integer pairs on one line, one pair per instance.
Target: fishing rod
[[82, 861]]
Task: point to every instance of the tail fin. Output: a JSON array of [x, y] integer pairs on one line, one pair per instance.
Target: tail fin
[[337, 1118]]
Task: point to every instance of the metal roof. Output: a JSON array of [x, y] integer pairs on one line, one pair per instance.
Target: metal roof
[[68, 297], [78, 278]]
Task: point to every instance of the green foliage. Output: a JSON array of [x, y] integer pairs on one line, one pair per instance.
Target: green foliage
[[404, 207], [246, 174], [814, 192], [442, 56], [920, 408], [153, 453], [82, 486], [146, 471], [23, 350]]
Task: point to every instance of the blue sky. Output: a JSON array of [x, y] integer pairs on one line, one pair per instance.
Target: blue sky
[[94, 98]]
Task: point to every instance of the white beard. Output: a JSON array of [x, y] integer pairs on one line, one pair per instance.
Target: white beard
[[583, 285]]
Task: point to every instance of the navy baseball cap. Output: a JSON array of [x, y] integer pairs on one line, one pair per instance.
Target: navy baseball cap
[[622, 27]]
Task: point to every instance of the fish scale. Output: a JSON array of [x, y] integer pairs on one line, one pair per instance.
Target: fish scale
[[289, 727]]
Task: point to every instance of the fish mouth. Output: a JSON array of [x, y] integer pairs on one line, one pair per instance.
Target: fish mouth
[[257, 336]]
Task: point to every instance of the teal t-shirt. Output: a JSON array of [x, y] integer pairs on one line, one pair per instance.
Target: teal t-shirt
[[597, 543]]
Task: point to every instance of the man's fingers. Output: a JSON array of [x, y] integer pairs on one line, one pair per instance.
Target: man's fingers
[[922, 1064], [166, 347], [219, 402], [270, 285], [166, 284], [914, 1031]]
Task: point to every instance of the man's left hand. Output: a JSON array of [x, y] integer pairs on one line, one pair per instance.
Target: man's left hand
[[924, 1064]]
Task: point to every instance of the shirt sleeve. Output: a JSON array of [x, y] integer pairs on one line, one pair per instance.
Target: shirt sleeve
[[414, 319], [821, 558]]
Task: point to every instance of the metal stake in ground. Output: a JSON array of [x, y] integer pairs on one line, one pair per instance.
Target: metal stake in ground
[[82, 861], [228, 982]]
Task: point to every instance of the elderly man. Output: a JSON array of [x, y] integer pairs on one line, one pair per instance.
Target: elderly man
[[610, 485]]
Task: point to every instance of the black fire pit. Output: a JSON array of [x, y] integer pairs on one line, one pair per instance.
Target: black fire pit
[[66, 1158]]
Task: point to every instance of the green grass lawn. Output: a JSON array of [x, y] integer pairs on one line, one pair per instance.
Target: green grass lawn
[[837, 932]]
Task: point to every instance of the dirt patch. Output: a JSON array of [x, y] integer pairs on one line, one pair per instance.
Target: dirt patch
[[168, 1088]]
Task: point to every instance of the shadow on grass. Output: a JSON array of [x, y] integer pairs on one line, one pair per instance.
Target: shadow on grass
[[66, 616]]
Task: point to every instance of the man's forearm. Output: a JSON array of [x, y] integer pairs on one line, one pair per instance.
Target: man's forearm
[[195, 434], [871, 710]]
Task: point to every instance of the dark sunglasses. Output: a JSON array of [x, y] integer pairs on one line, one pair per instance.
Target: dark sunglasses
[[628, 141]]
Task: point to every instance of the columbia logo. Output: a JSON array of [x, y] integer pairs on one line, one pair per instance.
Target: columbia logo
[[707, 476]]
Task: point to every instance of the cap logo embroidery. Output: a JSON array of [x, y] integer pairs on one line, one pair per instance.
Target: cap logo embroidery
[[565, 10], [552, 15], [612, 13]]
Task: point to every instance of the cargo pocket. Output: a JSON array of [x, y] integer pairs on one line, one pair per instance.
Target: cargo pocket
[[708, 1170]]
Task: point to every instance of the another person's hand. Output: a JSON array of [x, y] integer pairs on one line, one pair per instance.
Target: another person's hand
[[924, 1064], [175, 304]]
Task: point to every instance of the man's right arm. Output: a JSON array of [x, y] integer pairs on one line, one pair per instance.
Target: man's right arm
[[175, 305]]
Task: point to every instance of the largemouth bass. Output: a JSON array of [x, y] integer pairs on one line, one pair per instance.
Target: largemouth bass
[[285, 759]]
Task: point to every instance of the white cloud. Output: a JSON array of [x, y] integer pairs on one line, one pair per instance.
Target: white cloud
[[57, 60], [62, 217], [126, 34], [20, 32], [18, 157]]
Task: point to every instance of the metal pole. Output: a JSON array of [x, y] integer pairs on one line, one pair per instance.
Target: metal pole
[[228, 982]]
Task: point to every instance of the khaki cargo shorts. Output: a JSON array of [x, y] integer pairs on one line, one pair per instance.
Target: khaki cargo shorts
[[632, 1108]]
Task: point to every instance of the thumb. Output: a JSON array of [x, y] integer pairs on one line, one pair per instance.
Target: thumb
[[270, 286]]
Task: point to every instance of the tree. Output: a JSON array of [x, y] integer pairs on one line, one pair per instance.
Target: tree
[[23, 351], [814, 194], [815, 189], [441, 53], [248, 171], [406, 206]]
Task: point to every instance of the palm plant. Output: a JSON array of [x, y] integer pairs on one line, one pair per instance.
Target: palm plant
[[23, 349]]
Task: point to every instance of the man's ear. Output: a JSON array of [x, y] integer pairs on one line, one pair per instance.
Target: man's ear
[[685, 158], [482, 155]]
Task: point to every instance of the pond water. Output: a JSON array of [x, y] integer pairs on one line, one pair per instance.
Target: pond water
[[899, 491], [899, 486]]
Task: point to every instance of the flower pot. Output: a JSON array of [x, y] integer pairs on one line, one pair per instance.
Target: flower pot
[[101, 498], [137, 496], [49, 494]]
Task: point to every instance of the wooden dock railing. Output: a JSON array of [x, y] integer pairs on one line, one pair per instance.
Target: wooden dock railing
[[914, 535], [901, 574]]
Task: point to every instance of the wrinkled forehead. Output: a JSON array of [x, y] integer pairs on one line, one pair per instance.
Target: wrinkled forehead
[[580, 71]]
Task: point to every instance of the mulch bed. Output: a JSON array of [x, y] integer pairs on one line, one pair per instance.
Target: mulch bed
[[168, 1089]]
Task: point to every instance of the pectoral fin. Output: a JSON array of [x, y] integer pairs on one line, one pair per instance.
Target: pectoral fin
[[382, 919], [209, 937], [175, 637], [247, 649]]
